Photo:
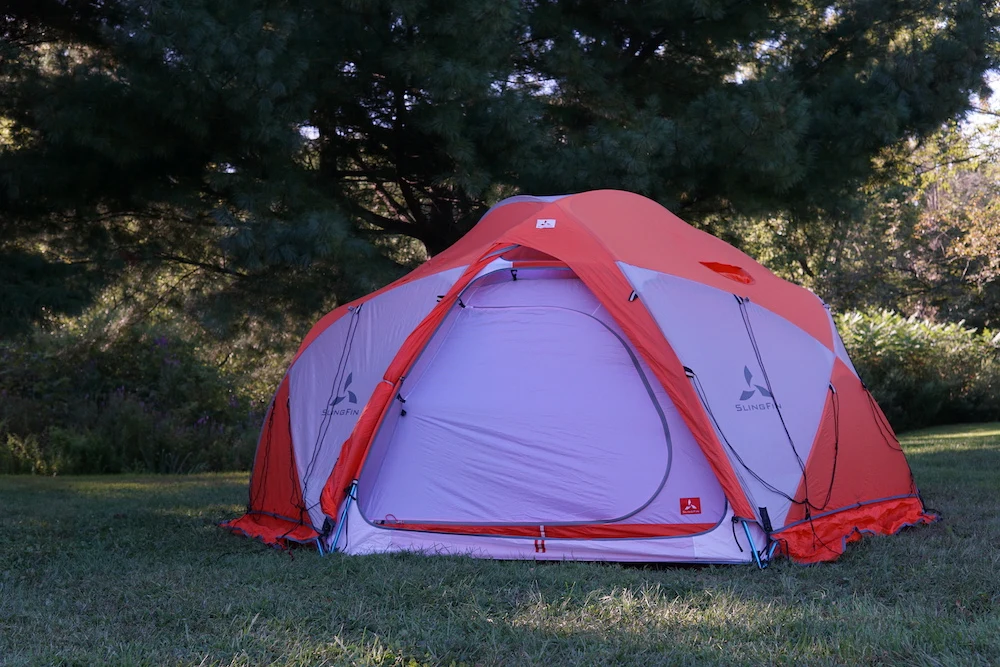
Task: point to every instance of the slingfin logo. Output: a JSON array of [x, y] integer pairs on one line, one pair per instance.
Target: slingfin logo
[[545, 223], [345, 394], [752, 388], [690, 505], [349, 395], [763, 401]]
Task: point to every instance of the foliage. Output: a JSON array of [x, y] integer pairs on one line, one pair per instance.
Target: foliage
[[144, 401], [274, 144], [134, 570], [921, 239], [923, 373]]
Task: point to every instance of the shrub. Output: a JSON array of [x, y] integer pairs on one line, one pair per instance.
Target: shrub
[[144, 401], [924, 373]]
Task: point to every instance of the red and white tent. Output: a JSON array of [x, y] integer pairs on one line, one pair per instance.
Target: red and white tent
[[580, 377]]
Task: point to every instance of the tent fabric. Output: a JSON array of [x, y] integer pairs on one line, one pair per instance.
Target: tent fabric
[[534, 442], [583, 376]]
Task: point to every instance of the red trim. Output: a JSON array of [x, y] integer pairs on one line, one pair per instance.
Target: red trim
[[585, 532]]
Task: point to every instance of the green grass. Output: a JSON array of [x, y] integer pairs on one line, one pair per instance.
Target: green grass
[[130, 570]]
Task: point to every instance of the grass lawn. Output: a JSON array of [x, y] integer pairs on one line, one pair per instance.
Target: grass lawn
[[131, 569]]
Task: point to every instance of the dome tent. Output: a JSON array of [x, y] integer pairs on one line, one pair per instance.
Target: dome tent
[[580, 377]]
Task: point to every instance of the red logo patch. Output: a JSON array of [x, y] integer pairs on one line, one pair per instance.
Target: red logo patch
[[690, 505]]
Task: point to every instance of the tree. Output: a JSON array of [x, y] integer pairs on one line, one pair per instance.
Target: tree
[[921, 238], [288, 141]]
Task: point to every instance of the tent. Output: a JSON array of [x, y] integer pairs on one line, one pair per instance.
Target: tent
[[580, 377]]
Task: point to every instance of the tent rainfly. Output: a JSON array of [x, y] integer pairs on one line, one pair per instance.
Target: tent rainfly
[[580, 377]]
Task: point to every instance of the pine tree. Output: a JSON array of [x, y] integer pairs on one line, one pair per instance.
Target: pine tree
[[294, 142]]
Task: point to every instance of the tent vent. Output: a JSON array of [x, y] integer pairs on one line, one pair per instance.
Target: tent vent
[[736, 273]]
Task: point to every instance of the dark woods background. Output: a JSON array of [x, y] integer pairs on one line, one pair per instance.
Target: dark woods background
[[185, 185]]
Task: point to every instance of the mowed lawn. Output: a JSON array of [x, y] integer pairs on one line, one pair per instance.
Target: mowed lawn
[[132, 570]]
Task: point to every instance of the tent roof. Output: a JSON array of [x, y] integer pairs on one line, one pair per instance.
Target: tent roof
[[634, 230]]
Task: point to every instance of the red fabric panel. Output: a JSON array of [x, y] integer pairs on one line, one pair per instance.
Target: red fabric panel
[[856, 448], [274, 484], [826, 538], [270, 530], [589, 531]]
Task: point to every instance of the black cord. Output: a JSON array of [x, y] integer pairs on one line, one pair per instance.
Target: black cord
[[767, 485], [345, 354], [767, 381], [835, 402], [884, 429]]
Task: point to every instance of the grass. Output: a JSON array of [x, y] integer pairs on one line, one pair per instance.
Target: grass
[[132, 570]]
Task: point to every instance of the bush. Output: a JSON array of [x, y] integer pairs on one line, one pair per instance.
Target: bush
[[923, 373], [144, 401]]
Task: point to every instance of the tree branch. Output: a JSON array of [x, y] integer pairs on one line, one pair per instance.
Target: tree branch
[[214, 268]]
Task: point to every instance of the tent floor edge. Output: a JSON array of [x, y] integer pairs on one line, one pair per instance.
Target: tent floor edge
[[825, 538], [271, 530]]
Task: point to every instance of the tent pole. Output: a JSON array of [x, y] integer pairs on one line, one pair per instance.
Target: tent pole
[[753, 547], [351, 493]]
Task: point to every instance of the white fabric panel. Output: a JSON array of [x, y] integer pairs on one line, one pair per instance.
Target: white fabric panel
[[527, 415], [494, 266], [690, 475], [518, 199], [335, 376], [719, 545], [838, 346], [706, 329]]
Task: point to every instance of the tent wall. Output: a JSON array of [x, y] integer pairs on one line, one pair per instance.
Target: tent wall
[[333, 379], [530, 406], [763, 380]]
